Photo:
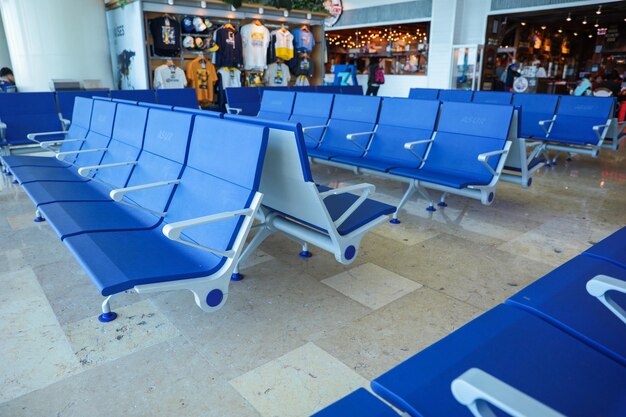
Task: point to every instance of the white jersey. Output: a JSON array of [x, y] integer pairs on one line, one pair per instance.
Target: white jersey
[[169, 77], [277, 75], [231, 77], [255, 40]]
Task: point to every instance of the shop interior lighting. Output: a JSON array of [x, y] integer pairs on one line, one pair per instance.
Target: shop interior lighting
[[575, 33], [309, 16], [585, 20], [523, 23], [261, 10], [560, 30], [543, 27], [599, 11], [590, 35], [569, 17], [170, 2], [232, 8], [596, 25], [286, 13], [203, 4]]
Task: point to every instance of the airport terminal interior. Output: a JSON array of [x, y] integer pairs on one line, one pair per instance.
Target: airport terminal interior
[[376, 208]]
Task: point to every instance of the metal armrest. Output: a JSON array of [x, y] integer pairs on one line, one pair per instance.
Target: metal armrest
[[47, 143], [351, 136], [484, 158], [476, 390], [118, 194], [366, 190], [543, 124], [85, 171], [410, 145], [61, 155], [32, 136], [600, 285], [533, 144], [173, 230], [236, 110], [66, 123], [596, 130], [306, 129]]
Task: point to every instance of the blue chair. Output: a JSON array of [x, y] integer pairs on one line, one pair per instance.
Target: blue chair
[[146, 96], [424, 93], [467, 153], [203, 232], [178, 97], [501, 359], [93, 148], [351, 115], [155, 106], [611, 249], [359, 403], [492, 97], [312, 111], [462, 96], [328, 89], [562, 298], [579, 126], [335, 220], [26, 113], [276, 104], [535, 108], [198, 112], [72, 141], [244, 101], [66, 100], [355, 90]]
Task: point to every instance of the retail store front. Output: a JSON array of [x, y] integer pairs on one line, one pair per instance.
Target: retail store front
[[555, 48]]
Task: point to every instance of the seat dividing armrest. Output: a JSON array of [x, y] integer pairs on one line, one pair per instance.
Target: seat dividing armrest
[[484, 159], [365, 189], [118, 194], [601, 135], [85, 171], [409, 146], [233, 110], [307, 128], [600, 285], [32, 136], [543, 124], [351, 136], [476, 389], [61, 155]]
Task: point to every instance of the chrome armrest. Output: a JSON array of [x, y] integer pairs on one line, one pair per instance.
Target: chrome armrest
[[61, 155], [351, 136], [85, 171], [32, 136], [233, 110], [484, 158], [410, 145], [596, 130], [47, 143], [66, 123], [365, 189], [600, 285], [306, 129], [543, 124], [118, 194], [476, 389]]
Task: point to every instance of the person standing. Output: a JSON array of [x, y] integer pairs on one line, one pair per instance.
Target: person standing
[[511, 73], [7, 81], [375, 78]]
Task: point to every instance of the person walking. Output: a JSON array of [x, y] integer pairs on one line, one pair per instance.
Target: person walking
[[7, 81], [511, 73], [376, 77]]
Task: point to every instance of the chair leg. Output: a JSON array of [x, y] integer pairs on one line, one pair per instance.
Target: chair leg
[[409, 192], [107, 315], [261, 235], [442, 201], [569, 156], [555, 158], [427, 197], [38, 217], [304, 254], [544, 152]]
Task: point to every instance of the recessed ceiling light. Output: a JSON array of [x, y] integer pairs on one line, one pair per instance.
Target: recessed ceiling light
[[543, 27], [523, 23], [569, 17], [585, 20], [590, 35], [560, 30], [575, 33], [599, 11]]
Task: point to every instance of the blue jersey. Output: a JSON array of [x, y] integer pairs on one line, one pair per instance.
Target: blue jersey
[[7, 87], [303, 40]]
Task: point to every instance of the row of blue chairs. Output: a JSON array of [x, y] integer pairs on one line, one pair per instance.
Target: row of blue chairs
[[541, 112], [455, 148], [247, 100], [556, 348], [24, 113], [151, 198]]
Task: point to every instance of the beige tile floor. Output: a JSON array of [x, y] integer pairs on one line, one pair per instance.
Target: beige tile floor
[[296, 334]]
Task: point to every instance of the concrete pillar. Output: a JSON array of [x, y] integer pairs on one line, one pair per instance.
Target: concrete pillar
[[5, 59], [61, 39], [442, 28]]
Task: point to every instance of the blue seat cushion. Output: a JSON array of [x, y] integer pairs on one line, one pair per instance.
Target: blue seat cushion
[[367, 212], [373, 164], [561, 298], [360, 403], [118, 261], [50, 192], [71, 218], [28, 174], [519, 349], [612, 249], [14, 161], [448, 179]]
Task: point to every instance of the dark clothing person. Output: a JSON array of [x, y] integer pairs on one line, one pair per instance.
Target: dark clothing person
[[7, 82], [372, 85], [511, 73]]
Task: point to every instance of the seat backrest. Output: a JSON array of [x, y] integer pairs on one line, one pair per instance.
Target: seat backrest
[[401, 121], [492, 97], [355, 90], [276, 105], [351, 114], [248, 99], [328, 89], [125, 145], [464, 131], [165, 150], [146, 96], [534, 108], [463, 96], [424, 93], [576, 117], [26, 113], [66, 100], [312, 109], [219, 165], [81, 119], [178, 97], [155, 106], [199, 112], [100, 132]]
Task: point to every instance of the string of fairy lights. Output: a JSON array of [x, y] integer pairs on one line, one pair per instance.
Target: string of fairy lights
[[362, 37]]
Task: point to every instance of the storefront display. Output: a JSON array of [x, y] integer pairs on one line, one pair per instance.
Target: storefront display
[[169, 76]]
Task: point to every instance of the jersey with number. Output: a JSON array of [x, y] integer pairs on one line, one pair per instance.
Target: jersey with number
[[277, 75], [169, 77], [202, 76], [255, 40]]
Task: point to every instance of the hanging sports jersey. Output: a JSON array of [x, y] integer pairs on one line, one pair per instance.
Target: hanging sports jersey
[[202, 76], [277, 75], [231, 77], [303, 40], [302, 80], [169, 77], [282, 44], [255, 40], [230, 52], [304, 66], [165, 35]]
